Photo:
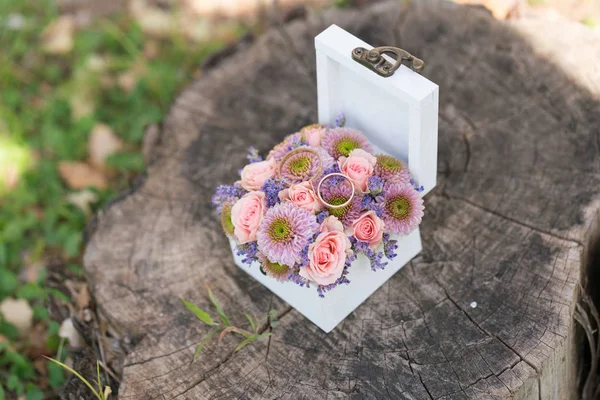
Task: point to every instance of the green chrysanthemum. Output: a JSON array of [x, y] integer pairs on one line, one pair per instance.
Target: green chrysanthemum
[[274, 270], [226, 220]]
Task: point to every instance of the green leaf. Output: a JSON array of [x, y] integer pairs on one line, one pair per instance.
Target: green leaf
[[199, 313], [14, 383], [251, 339], [8, 282], [81, 378], [273, 319], [202, 343], [33, 393], [9, 330], [219, 309], [251, 320], [2, 393], [56, 375], [126, 161]]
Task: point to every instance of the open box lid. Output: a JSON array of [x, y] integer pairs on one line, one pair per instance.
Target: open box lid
[[399, 114]]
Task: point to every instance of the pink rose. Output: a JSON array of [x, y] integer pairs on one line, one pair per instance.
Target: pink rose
[[302, 195], [327, 256], [313, 134], [246, 216], [358, 167], [254, 175], [331, 224], [369, 228]]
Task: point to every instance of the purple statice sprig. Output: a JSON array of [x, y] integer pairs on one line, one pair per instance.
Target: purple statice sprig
[[298, 280], [321, 216], [375, 257], [375, 185], [339, 122], [373, 203], [227, 194], [249, 251], [253, 155], [271, 188], [389, 246], [416, 185]]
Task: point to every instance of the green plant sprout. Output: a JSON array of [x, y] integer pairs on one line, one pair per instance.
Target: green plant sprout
[[100, 394], [256, 327]]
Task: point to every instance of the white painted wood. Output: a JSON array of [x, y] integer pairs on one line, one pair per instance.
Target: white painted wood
[[399, 116], [329, 311]]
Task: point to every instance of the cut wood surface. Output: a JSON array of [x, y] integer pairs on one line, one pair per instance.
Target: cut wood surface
[[483, 312]]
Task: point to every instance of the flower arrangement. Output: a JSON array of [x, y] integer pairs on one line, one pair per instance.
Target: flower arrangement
[[318, 200]]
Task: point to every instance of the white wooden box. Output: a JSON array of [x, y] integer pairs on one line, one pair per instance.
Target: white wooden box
[[399, 115]]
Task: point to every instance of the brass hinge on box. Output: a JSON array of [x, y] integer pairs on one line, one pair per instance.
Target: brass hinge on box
[[374, 60]]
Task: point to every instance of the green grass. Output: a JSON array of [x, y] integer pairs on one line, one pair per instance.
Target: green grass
[[48, 106]]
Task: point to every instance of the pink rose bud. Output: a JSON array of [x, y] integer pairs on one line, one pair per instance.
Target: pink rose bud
[[358, 167], [327, 256], [255, 175], [302, 195], [331, 224], [313, 134], [246, 216], [369, 228]]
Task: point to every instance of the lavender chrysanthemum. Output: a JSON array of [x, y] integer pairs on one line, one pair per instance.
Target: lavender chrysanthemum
[[391, 169], [306, 163], [403, 208], [337, 193], [286, 229], [341, 141], [288, 144]]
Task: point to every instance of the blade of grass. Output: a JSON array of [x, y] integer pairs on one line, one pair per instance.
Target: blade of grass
[[218, 307], [98, 374], [81, 378], [251, 320], [199, 313], [203, 342], [250, 340]]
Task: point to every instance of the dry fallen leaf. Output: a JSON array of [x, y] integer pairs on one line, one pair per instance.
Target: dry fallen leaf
[[79, 175], [58, 36], [18, 312], [101, 144], [83, 200], [153, 20], [67, 331], [83, 299]]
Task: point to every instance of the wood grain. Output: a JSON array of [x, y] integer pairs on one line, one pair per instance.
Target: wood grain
[[519, 172]]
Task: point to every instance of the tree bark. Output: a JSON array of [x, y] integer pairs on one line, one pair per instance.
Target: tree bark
[[483, 312]]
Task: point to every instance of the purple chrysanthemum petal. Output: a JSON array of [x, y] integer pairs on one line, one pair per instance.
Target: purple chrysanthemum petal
[[336, 191], [285, 231], [341, 141], [403, 208], [391, 169]]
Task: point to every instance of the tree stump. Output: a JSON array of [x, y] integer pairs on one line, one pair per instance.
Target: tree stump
[[484, 312]]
